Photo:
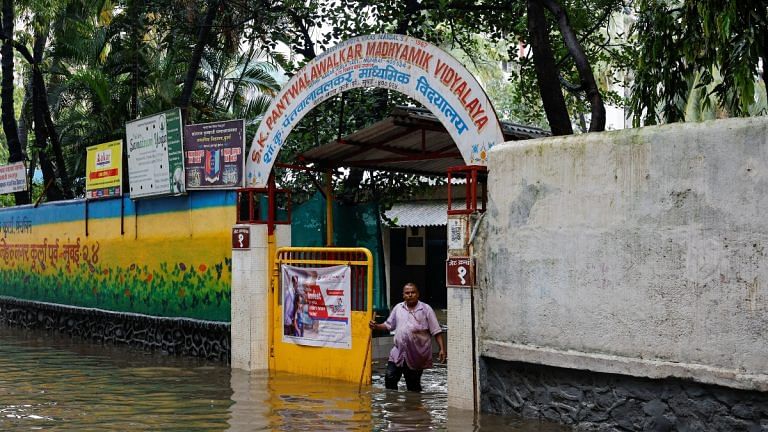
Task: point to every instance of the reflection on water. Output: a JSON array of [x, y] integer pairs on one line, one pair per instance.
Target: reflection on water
[[48, 382]]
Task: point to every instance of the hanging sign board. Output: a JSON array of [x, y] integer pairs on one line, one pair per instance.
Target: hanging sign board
[[407, 65], [214, 155], [459, 272], [316, 306], [104, 170], [155, 160], [13, 178]]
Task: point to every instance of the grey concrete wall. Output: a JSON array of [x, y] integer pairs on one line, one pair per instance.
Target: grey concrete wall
[[638, 252]]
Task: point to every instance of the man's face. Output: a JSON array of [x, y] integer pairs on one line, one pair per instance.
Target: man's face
[[410, 295]]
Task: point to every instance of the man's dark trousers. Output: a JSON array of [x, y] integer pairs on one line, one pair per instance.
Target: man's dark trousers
[[394, 372]]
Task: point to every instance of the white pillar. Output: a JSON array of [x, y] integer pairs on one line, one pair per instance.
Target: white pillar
[[460, 364], [250, 317], [250, 297]]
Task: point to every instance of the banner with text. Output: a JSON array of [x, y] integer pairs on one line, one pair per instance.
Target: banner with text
[[104, 170], [155, 159], [13, 178], [316, 306], [214, 155]]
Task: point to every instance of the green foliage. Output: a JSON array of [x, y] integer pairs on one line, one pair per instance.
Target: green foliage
[[697, 59], [109, 62]]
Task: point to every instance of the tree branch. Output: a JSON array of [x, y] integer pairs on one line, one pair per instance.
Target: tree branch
[[597, 122], [546, 72], [197, 55]]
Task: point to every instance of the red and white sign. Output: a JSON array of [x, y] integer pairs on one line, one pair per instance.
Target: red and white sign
[[459, 272], [316, 306], [407, 65], [241, 238]]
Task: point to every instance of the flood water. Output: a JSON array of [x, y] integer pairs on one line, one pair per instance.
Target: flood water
[[51, 382]]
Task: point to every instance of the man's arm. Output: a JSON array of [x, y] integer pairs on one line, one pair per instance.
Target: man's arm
[[374, 326], [388, 325], [442, 356]]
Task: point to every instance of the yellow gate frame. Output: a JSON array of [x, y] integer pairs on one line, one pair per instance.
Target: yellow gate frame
[[353, 365]]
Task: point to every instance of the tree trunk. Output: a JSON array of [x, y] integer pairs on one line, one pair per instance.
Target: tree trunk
[[134, 87], [197, 55], [236, 86], [6, 95], [25, 122], [546, 71], [41, 38], [53, 193], [588, 83], [39, 113]]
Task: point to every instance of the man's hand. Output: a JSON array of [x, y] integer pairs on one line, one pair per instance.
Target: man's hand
[[441, 356], [372, 325]]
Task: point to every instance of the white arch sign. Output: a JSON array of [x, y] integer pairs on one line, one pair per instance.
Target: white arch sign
[[408, 65]]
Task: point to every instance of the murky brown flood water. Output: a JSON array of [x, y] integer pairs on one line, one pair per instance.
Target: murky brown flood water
[[49, 382]]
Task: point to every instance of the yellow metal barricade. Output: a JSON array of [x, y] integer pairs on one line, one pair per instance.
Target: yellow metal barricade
[[352, 364]]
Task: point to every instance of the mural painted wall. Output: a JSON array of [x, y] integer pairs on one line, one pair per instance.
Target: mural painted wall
[[172, 260]]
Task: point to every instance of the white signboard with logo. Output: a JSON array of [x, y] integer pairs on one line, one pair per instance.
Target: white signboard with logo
[[155, 157]]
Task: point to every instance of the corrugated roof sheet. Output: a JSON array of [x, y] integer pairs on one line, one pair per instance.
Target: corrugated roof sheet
[[409, 140], [419, 213]]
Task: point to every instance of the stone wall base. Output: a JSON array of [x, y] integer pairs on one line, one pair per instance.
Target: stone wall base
[[600, 402], [206, 339]]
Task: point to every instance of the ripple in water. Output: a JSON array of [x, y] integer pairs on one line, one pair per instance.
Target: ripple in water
[[49, 382]]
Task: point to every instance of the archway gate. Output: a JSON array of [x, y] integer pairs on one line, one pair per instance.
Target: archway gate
[[401, 63]]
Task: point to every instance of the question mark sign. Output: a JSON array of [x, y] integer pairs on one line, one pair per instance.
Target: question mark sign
[[462, 272], [240, 238]]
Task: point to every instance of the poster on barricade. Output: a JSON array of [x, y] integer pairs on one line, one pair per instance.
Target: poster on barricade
[[13, 178], [155, 159], [316, 306], [104, 170], [214, 154]]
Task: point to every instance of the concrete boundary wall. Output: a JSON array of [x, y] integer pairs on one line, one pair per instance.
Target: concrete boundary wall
[[639, 252], [180, 336]]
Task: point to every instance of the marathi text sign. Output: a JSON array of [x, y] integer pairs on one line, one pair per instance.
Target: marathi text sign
[[104, 170], [316, 306], [214, 156], [155, 157], [397, 62], [13, 178]]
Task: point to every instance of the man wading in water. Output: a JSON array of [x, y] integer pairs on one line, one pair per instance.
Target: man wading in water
[[414, 324]]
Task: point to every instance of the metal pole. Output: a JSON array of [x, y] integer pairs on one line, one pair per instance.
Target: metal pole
[[329, 208]]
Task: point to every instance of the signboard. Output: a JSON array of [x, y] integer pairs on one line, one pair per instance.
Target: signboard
[[458, 226], [459, 272], [104, 170], [13, 178], [214, 155], [397, 62], [316, 306], [241, 238], [155, 160]]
